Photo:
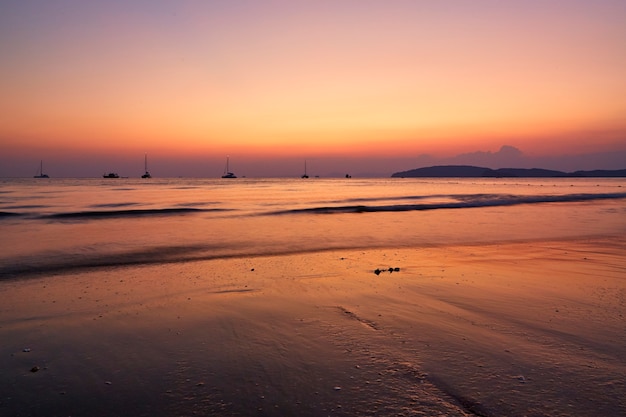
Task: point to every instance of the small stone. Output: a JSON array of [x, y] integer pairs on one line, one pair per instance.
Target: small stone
[[377, 271], [34, 369], [337, 388], [26, 350], [108, 382]]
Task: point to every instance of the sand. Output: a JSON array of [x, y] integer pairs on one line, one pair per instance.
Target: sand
[[513, 329]]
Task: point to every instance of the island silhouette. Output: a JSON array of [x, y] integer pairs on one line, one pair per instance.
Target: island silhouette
[[470, 171]]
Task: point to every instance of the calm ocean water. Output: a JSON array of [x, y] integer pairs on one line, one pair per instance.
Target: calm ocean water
[[57, 225]]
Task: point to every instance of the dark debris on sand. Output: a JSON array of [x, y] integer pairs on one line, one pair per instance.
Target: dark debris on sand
[[378, 271]]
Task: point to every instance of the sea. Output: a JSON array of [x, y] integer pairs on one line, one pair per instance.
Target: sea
[[51, 226]]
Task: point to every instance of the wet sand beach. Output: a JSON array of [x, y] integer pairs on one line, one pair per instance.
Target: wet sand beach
[[515, 329]]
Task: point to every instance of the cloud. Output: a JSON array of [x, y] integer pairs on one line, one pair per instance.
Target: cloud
[[507, 156]]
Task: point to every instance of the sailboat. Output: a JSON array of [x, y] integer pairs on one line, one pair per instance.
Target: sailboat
[[145, 164], [41, 174], [305, 174], [227, 173]]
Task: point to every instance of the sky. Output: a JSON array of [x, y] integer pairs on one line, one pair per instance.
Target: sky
[[351, 86]]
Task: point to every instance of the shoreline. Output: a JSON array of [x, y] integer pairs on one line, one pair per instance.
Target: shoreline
[[486, 329], [26, 268]]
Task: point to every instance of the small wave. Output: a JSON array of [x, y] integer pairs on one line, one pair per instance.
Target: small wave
[[35, 265], [64, 263], [195, 204], [370, 199], [9, 214], [463, 201], [125, 213], [31, 206], [112, 205]]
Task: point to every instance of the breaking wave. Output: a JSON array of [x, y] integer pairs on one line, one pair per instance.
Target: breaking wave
[[76, 261], [124, 213], [462, 201]]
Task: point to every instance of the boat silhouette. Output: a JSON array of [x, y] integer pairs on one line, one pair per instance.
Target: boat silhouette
[[305, 175], [40, 174], [227, 173], [145, 164]]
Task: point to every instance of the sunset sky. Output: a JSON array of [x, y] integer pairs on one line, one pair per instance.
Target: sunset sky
[[372, 87]]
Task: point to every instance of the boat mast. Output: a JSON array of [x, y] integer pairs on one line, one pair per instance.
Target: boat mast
[[40, 174], [145, 165], [305, 174]]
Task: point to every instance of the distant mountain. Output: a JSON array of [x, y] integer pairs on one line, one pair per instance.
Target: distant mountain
[[469, 171], [599, 173]]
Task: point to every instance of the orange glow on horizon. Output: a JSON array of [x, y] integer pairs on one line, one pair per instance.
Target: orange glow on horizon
[[314, 79]]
